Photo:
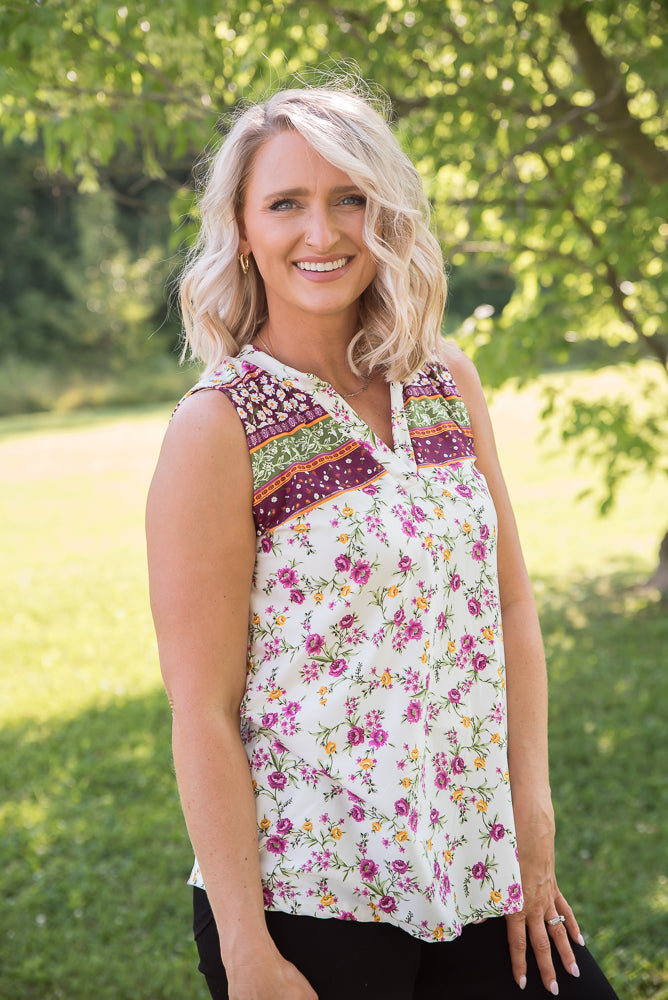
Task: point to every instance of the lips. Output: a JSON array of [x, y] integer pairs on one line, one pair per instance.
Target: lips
[[322, 265]]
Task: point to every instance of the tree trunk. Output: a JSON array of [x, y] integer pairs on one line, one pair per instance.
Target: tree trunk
[[659, 580]]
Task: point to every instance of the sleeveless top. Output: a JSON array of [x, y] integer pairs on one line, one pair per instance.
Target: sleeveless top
[[374, 717]]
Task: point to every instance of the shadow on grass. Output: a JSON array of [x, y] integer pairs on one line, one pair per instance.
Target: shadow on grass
[[95, 858], [95, 853]]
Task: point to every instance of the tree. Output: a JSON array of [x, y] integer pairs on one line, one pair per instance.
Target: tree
[[540, 126]]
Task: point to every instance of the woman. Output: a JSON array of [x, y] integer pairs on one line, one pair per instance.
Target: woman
[[328, 590]]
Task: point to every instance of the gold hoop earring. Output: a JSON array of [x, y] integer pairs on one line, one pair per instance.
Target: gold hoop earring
[[244, 260]]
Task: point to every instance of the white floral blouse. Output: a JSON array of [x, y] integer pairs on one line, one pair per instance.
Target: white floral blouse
[[374, 717]]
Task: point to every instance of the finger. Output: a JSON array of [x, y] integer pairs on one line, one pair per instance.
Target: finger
[[562, 943], [571, 923], [517, 944], [540, 943]]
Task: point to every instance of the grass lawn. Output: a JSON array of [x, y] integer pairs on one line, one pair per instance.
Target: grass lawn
[[93, 846]]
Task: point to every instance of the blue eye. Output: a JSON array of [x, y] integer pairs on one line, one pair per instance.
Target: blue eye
[[354, 199], [281, 205]]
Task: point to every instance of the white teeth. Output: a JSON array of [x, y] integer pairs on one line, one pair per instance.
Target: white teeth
[[331, 265]]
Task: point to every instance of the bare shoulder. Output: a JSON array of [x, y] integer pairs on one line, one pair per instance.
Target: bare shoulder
[[463, 371]]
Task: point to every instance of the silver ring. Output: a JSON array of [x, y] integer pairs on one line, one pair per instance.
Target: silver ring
[[555, 920]]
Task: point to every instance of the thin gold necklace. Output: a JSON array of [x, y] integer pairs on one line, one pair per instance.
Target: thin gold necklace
[[344, 395]]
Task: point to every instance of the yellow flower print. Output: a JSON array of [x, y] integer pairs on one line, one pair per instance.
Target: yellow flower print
[[406, 782], [386, 678], [506, 776], [327, 900], [466, 527], [375, 826], [376, 917], [254, 784], [343, 538], [323, 689], [452, 648], [424, 658], [479, 762], [276, 693], [401, 836], [265, 823], [308, 825], [366, 764], [427, 644], [330, 747], [466, 722], [336, 832], [345, 590], [429, 845], [300, 527], [481, 806], [318, 598], [495, 896], [439, 932], [438, 512], [392, 591], [280, 619], [488, 633], [496, 737], [458, 794], [447, 554], [415, 753], [347, 511], [428, 542], [447, 493], [256, 619], [447, 857], [422, 603]]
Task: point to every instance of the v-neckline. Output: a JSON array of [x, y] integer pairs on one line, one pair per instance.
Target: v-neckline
[[400, 458]]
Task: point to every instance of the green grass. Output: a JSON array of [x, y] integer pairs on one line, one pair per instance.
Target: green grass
[[93, 846]]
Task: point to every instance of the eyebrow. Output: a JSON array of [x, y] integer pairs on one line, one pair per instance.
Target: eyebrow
[[302, 192]]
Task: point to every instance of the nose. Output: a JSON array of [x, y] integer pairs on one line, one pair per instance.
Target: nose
[[321, 231]]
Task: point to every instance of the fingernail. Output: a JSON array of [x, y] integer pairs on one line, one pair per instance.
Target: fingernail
[[522, 983], [574, 969], [581, 940], [554, 989]]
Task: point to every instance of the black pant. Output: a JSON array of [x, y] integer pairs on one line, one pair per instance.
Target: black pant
[[350, 960]]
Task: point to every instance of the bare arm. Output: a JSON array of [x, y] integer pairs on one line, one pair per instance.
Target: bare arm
[[527, 709], [201, 551]]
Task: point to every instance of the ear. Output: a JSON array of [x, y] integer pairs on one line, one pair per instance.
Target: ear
[[244, 246]]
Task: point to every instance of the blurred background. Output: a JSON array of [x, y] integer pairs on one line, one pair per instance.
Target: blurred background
[[540, 129]]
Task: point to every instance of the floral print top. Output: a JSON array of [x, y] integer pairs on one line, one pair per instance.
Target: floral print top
[[374, 717]]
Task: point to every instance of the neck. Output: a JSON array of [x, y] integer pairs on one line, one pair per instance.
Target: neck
[[323, 355]]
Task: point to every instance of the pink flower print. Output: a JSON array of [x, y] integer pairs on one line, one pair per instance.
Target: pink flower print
[[479, 662], [267, 896], [277, 780], [442, 780], [311, 671], [417, 513], [267, 543], [409, 529], [405, 563], [314, 643], [455, 696], [342, 563], [441, 622], [401, 807], [399, 616], [414, 629], [387, 904], [283, 826], [270, 719], [378, 738], [479, 870], [484, 532], [414, 711], [464, 491], [276, 844], [347, 621], [287, 577], [291, 708], [479, 551], [455, 581], [400, 866], [361, 571], [357, 813], [467, 643], [368, 868], [434, 816], [337, 667], [457, 765], [355, 736], [473, 606], [515, 892], [413, 820], [497, 832], [297, 596]]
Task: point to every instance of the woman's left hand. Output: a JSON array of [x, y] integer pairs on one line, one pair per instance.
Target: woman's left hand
[[543, 902]]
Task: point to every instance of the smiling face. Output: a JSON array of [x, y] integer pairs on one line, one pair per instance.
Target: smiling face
[[303, 221]]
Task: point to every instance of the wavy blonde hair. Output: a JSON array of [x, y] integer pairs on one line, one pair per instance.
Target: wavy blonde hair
[[400, 312]]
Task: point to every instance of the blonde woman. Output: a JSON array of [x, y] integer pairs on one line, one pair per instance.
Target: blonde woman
[[333, 558]]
